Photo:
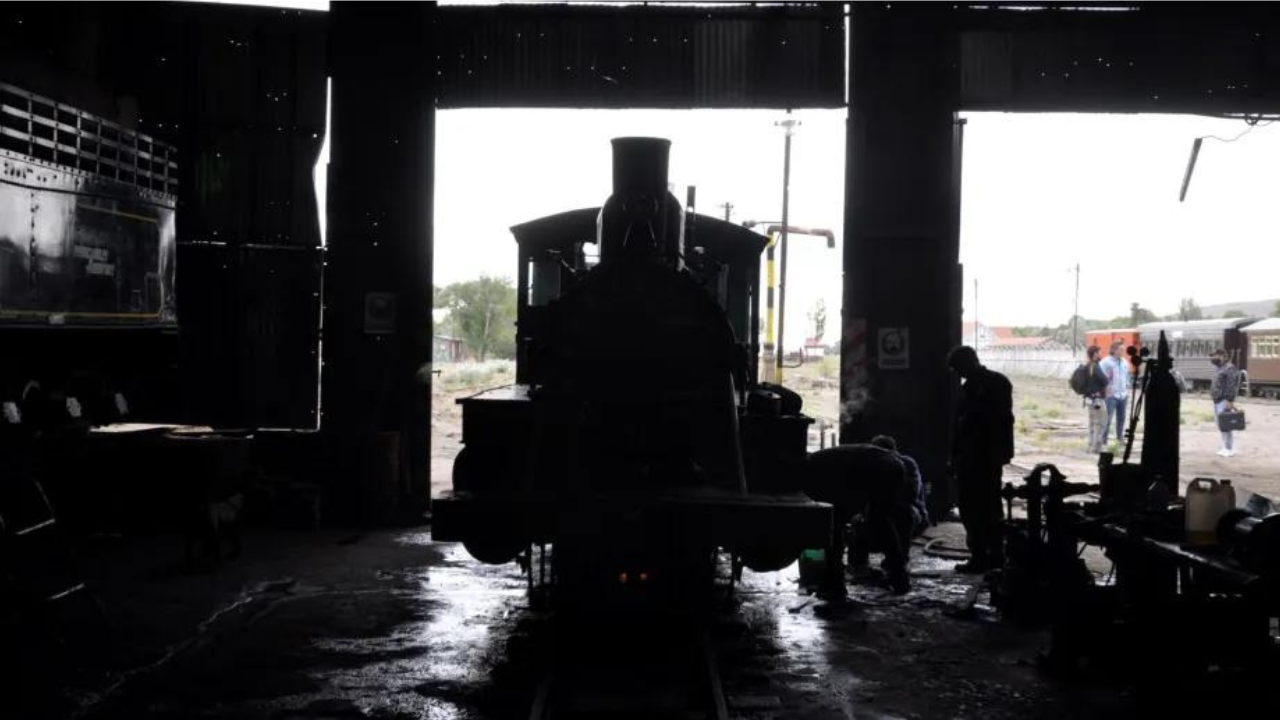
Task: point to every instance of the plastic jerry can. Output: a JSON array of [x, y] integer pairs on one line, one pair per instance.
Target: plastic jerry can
[[1231, 493], [1207, 501], [813, 564]]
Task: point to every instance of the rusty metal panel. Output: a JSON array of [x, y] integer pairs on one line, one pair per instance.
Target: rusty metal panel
[[671, 57]]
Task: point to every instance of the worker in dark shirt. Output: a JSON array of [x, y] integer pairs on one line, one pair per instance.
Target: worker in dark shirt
[[862, 479], [982, 444], [1223, 393]]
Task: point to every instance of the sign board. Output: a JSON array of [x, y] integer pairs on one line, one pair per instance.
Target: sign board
[[379, 313], [893, 351]]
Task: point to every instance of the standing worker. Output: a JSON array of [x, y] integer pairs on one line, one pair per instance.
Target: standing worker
[[1225, 388], [862, 479], [982, 444], [1119, 376]]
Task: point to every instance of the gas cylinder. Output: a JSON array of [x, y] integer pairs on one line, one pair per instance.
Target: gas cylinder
[[1160, 422], [1207, 501]]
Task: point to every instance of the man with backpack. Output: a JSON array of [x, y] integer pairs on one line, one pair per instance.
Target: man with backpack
[[1090, 382]]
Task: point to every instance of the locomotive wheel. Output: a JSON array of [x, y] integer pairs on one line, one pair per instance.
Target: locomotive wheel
[[494, 550], [461, 468], [769, 559]]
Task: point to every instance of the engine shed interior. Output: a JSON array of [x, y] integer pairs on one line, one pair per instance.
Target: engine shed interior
[[216, 446]]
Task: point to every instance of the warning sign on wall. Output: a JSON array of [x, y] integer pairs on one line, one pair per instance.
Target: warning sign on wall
[[893, 352]]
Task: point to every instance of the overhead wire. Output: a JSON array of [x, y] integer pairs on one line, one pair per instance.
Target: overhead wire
[[1252, 122]]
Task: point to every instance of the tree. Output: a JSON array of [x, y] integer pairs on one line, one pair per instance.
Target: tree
[[818, 319], [1275, 311], [483, 313], [1189, 310], [443, 325], [1233, 314], [1139, 315]]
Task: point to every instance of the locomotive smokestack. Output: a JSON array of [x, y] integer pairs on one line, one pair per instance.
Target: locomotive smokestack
[[641, 221], [640, 165]]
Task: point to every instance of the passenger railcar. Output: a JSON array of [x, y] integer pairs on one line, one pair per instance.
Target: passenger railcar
[[1263, 357], [1191, 343], [636, 441]]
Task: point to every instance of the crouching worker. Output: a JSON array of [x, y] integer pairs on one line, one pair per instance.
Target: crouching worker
[[871, 482], [916, 487]]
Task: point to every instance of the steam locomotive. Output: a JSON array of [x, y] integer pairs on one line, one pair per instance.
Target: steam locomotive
[[637, 440]]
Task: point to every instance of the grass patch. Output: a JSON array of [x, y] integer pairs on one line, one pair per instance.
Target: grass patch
[[467, 376], [1053, 413], [1062, 446], [829, 367]]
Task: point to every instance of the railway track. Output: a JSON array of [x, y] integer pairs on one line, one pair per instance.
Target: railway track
[[622, 670]]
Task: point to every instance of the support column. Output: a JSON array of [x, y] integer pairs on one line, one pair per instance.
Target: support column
[[901, 271], [376, 395]]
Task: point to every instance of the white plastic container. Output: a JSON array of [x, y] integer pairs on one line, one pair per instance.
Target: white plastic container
[[1207, 501]]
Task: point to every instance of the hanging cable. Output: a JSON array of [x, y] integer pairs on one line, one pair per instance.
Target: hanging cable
[[1254, 121]]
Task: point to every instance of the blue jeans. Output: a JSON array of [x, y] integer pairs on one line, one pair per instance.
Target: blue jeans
[[1115, 407], [1218, 407]]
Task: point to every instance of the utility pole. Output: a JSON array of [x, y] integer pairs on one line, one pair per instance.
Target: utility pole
[[788, 125], [976, 327], [728, 210], [1075, 313]]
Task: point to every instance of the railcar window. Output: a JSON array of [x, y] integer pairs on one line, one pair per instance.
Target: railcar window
[[1266, 346]]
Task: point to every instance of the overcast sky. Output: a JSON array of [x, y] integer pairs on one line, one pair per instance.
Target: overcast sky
[[498, 168], [1041, 193]]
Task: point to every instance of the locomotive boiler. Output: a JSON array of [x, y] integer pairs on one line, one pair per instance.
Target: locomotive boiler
[[637, 441]]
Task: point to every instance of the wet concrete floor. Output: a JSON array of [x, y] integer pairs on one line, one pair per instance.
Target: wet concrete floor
[[392, 625]]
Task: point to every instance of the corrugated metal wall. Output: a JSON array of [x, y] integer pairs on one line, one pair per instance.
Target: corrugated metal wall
[[1154, 57], [250, 344], [558, 56]]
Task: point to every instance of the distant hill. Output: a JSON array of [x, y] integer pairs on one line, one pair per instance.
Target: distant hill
[[1251, 308]]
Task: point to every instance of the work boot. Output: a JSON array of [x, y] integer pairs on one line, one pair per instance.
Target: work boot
[[972, 567], [863, 574], [833, 593], [900, 582]]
